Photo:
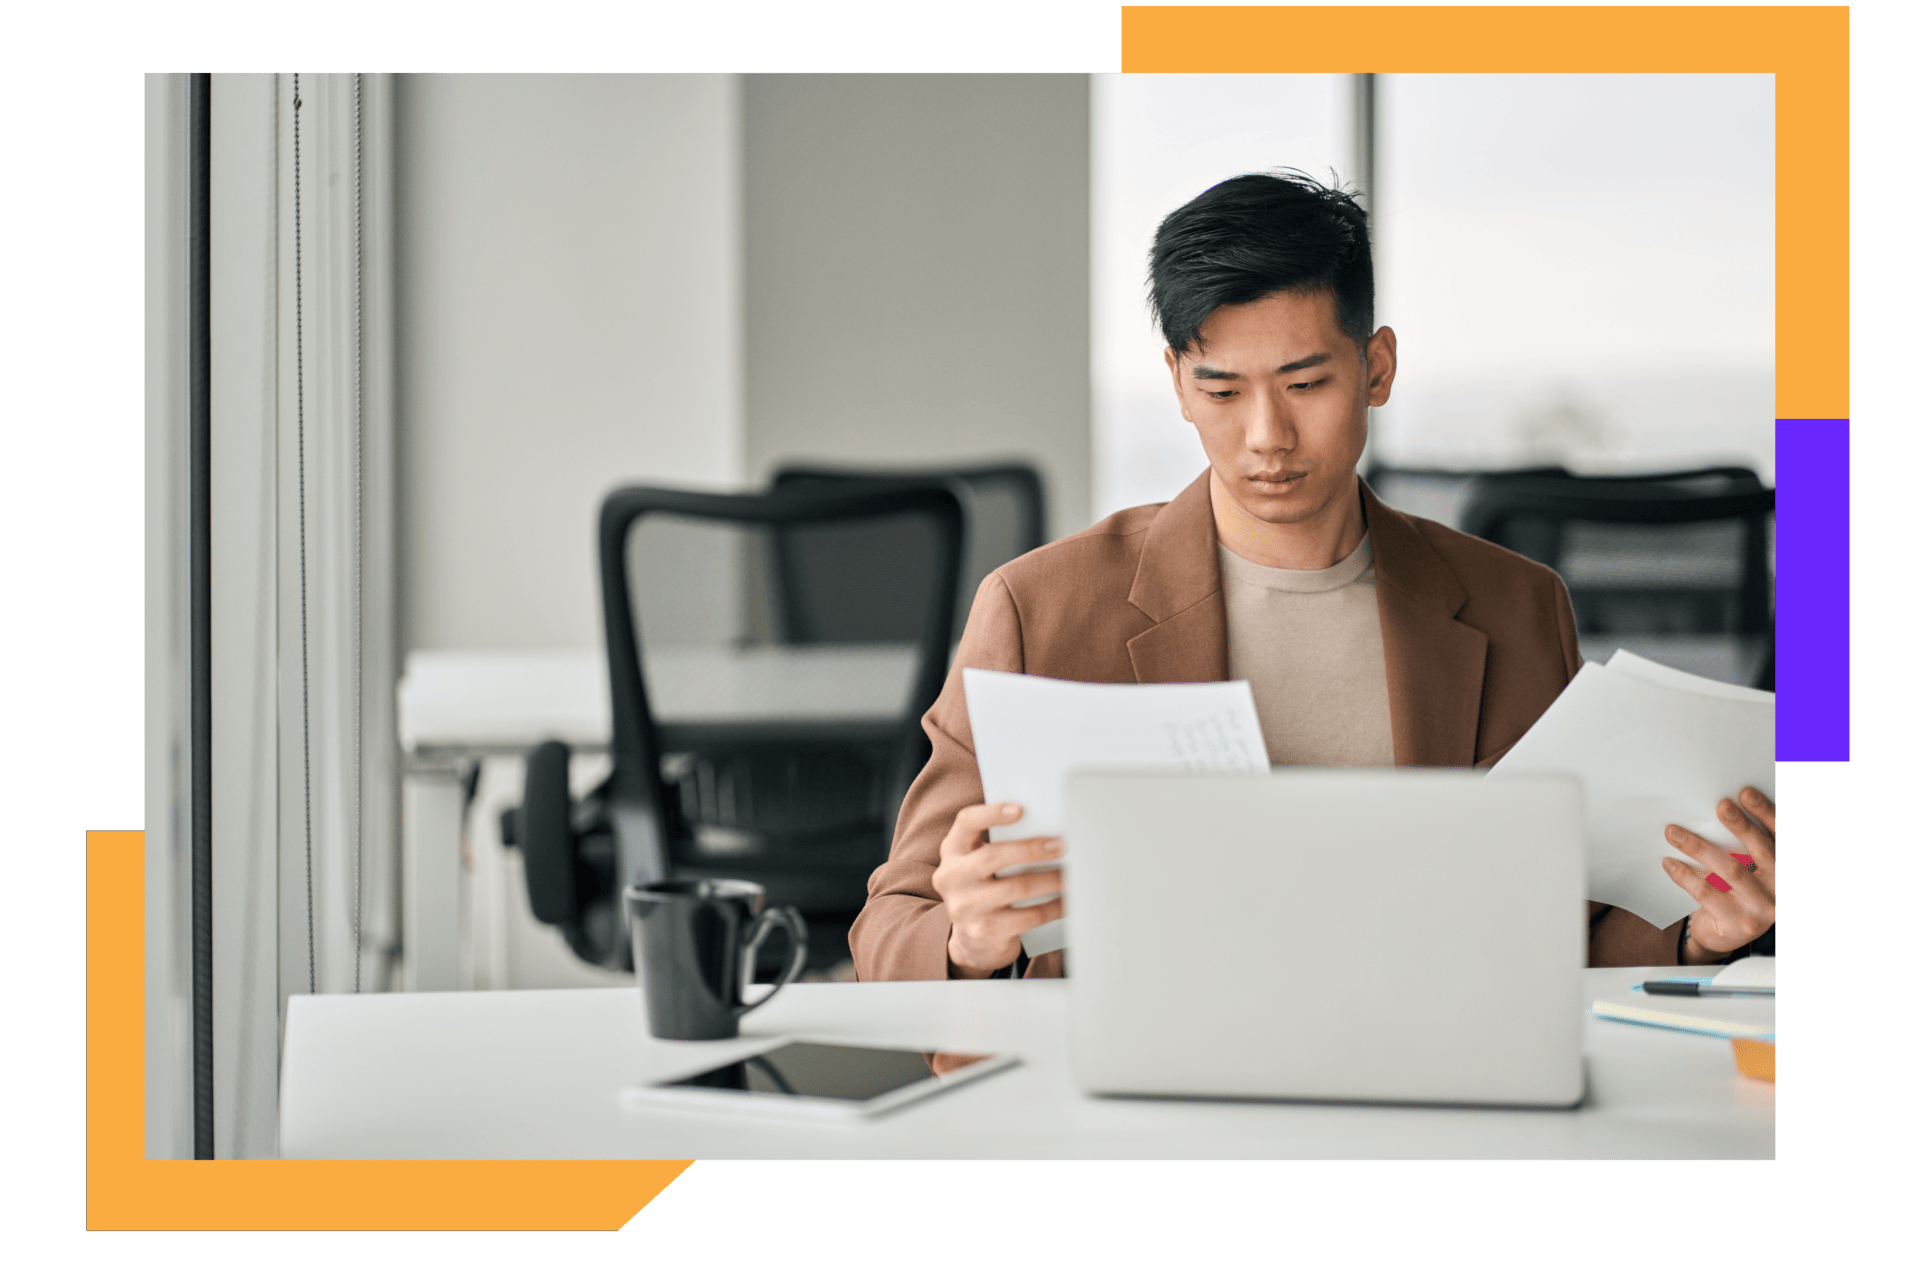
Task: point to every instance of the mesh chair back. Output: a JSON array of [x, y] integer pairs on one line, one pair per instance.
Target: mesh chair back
[[1677, 565], [1437, 493], [1006, 518], [739, 750]]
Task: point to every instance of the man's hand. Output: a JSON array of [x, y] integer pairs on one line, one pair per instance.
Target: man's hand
[[1736, 897], [986, 925]]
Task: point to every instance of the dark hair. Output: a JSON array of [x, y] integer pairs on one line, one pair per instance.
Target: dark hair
[[1257, 234]]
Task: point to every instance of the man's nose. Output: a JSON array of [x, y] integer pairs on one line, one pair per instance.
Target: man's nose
[[1271, 428]]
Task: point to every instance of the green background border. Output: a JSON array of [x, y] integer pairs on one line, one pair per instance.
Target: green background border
[[72, 657]]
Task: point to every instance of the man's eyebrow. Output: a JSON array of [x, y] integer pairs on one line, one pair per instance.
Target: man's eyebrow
[[1211, 374]]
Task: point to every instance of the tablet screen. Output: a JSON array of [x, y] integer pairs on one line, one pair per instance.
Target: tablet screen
[[842, 1072]]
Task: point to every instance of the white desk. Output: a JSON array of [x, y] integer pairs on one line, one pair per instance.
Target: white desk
[[538, 1073], [457, 706], [507, 700]]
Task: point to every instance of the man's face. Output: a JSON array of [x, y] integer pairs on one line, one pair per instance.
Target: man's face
[[1280, 395]]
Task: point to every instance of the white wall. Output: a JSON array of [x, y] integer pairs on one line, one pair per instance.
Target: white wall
[[916, 273], [568, 318], [690, 279]]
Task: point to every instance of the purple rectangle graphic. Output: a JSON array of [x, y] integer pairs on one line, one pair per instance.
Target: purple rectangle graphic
[[1811, 592]]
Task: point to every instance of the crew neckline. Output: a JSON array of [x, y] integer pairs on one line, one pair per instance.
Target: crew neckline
[[1332, 578]]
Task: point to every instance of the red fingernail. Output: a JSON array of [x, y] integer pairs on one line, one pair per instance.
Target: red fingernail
[[1745, 861], [1718, 883]]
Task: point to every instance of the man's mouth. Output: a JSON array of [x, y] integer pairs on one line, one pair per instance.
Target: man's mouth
[[1275, 481]]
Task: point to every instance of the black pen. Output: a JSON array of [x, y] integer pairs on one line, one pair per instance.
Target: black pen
[[1701, 989]]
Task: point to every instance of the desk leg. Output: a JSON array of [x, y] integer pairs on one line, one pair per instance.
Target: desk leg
[[431, 805]]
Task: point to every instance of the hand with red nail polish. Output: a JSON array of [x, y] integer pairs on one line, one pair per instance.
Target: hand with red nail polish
[[1735, 892]]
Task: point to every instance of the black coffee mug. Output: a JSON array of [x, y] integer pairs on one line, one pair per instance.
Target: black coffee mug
[[694, 945]]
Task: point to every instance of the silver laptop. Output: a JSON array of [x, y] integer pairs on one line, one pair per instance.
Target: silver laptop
[[1401, 935]]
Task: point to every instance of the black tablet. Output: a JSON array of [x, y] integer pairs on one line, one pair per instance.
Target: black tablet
[[814, 1079]]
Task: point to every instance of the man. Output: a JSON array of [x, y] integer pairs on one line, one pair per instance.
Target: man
[[1369, 637]]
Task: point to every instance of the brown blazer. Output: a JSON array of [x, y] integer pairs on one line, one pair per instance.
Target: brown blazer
[[1479, 641]]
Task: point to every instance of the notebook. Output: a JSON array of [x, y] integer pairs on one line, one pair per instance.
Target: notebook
[[1748, 1017], [1754, 971]]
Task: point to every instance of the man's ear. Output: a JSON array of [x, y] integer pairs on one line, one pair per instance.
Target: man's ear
[[1173, 367], [1383, 358]]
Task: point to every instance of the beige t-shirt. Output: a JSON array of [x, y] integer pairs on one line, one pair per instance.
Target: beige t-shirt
[[1308, 640]]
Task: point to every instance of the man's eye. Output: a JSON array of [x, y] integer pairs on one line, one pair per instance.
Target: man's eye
[[1306, 386], [1222, 395]]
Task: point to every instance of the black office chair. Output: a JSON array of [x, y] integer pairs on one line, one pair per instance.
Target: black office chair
[[805, 807], [1675, 564], [1006, 518], [1437, 493]]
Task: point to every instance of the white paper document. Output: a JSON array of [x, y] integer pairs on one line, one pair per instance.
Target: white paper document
[[1650, 749], [1647, 669], [1030, 732]]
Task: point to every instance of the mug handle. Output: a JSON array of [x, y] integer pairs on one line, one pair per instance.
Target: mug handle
[[763, 924]]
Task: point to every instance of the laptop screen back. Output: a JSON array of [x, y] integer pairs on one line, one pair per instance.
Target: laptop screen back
[[1395, 935]]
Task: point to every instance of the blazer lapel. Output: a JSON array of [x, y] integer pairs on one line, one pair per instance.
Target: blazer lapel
[[1177, 584], [1436, 664]]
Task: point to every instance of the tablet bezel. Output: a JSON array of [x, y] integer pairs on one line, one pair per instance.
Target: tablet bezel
[[661, 1092]]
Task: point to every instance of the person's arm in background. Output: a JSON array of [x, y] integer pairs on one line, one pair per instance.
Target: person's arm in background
[[1617, 937]]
